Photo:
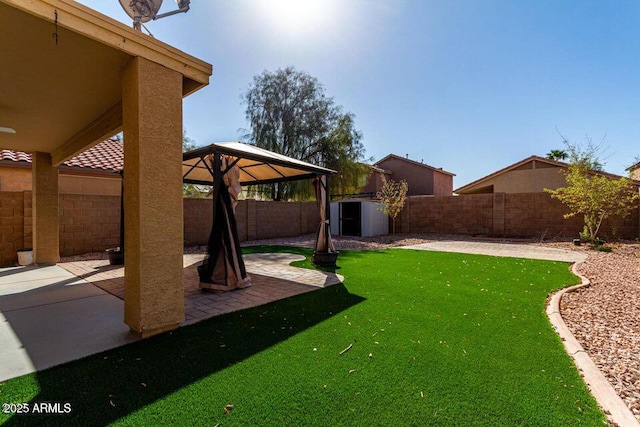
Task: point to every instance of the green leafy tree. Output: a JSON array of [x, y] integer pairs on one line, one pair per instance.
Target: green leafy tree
[[342, 151], [393, 196], [190, 191], [289, 113], [585, 155], [593, 195]]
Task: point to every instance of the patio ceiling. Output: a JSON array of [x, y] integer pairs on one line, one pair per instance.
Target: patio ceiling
[[61, 74], [257, 165]]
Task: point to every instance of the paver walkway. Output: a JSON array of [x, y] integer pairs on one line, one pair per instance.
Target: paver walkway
[[272, 277], [501, 249]]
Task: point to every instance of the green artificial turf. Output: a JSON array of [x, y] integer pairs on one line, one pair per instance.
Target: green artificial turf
[[436, 339]]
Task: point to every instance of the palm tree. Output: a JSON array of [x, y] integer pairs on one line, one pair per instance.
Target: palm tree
[[557, 155]]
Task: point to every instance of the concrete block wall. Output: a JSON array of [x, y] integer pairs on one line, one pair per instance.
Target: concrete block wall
[[197, 221], [283, 219], [246, 220], [537, 214], [12, 225], [312, 217], [91, 223], [88, 223], [447, 214], [255, 219], [508, 215]]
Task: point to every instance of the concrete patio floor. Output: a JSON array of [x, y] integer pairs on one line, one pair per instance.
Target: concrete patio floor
[[48, 316], [56, 314]]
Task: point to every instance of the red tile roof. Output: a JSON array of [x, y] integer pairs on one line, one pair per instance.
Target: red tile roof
[[107, 155]]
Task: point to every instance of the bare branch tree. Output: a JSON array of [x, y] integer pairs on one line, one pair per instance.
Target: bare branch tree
[[393, 196]]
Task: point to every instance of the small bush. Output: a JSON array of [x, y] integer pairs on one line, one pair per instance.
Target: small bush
[[603, 248], [584, 235]]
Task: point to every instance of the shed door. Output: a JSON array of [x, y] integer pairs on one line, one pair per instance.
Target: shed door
[[350, 219]]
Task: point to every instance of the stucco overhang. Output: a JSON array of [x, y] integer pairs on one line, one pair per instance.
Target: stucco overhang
[[61, 74]]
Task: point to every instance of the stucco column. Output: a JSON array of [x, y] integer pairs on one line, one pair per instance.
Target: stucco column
[[46, 236], [152, 123]]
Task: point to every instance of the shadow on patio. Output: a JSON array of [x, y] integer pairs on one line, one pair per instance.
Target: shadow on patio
[[52, 315]]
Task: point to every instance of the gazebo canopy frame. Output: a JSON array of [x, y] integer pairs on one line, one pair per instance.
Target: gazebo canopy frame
[[257, 165], [226, 165]]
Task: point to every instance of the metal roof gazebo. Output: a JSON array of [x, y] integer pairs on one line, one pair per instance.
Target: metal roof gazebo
[[236, 164]]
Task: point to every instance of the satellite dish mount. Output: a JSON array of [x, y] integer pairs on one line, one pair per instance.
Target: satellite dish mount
[[142, 11]]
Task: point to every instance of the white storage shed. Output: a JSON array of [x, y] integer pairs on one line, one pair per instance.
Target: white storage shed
[[358, 217]]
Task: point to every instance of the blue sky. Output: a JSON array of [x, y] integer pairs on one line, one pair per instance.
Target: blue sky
[[469, 86]]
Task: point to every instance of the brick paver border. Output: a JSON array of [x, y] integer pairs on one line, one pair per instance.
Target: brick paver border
[[272, 276]]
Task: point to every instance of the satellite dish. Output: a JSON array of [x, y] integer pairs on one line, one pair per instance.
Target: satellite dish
[[145, 10], [141, 10]]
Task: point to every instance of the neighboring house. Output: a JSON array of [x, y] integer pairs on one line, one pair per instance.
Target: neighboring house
[[423, 180], [531, 175], [374, 181], [93, 172], [634, 171]]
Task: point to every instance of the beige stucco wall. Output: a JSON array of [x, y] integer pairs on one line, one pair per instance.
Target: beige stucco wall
[[442, 184], [523, 180], [20, 179], [420, 179], [94, 185], [529, 181], [15, 179], [635, 174], [374, 183]]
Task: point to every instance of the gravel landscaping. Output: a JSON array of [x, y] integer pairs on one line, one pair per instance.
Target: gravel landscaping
[[605, 317]]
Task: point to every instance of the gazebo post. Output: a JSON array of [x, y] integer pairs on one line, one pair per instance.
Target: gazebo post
[[327, 207], [223, 268], [324, 254], [217, 180]]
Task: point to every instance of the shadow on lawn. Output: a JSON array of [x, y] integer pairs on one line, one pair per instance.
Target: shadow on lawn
[[110, 385], [307, 252]]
